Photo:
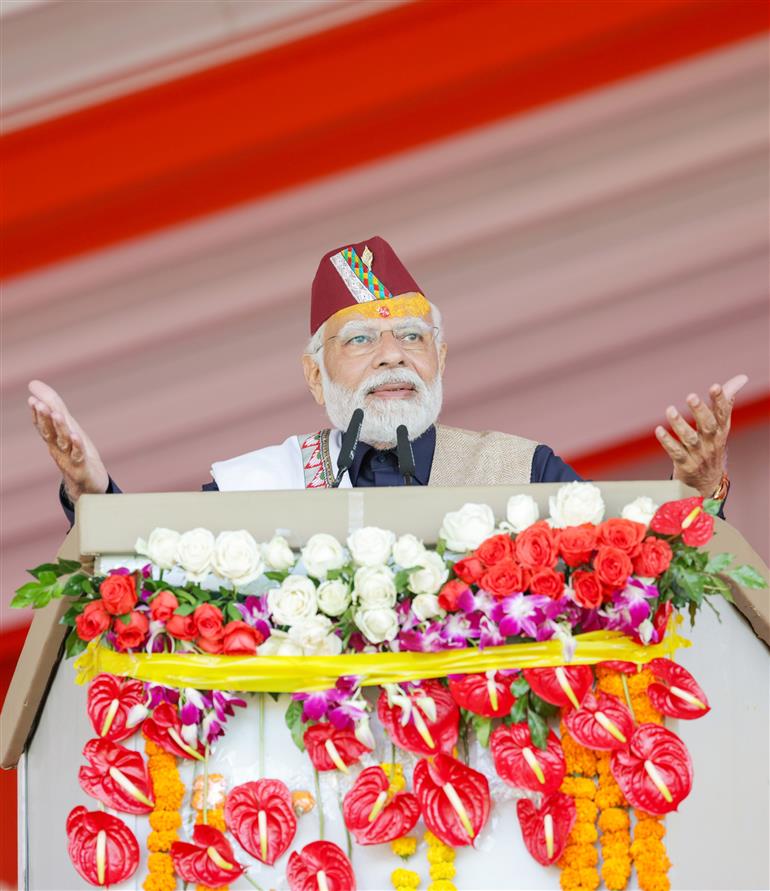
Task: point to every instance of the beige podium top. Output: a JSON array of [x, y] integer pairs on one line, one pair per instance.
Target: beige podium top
[[109, 525]]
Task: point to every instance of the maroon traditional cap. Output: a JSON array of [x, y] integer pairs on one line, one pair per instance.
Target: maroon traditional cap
[[364, 275]]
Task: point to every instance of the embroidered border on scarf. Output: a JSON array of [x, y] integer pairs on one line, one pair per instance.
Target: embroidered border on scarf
[[316, 460]]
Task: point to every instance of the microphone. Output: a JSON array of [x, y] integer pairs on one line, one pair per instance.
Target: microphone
[[348, 446], [404, 454]]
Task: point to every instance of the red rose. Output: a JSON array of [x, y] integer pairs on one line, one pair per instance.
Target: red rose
[[181, 627], [93, 621], [208, 620], [469, 570], [653, 558], [624, 534], [162, 606], [211, 644], [495, 549], [118, 593], [133, 633], [548, 582], [505, 578], [240, 639], [587, 588], [537, 546], [613, 566], [577, 543], [450, 594]]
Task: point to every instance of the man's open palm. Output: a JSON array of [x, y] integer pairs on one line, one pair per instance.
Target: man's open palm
[[72, 450]]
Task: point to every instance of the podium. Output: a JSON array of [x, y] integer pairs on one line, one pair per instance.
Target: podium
[[717, 839]]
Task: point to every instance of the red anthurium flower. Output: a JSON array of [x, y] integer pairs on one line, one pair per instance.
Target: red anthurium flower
[[261, 817], [686, 518], [110, 700], [519, 762], [208, 861], [424, 721], [332, 749], [679, 696], [545, 829], [487, 694], [373, 814], [565, 685], [117, 777], [165, 729], [320, 866], [618, 665], [454, 799], [655, 772], [602, 722], [102, 848]]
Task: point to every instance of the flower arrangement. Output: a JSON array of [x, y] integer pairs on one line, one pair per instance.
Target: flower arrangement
[[486, 587]]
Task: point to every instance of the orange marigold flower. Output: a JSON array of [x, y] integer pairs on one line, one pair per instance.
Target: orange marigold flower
[[584, 832], [586, 810], [614, 819], [649, 829], [582, 855], [610, 797], [616, 873], [160, 863], [643, 815], [579, 787], [159, 882], [655, 883], [165, 820], [161, 841], [639, 682]]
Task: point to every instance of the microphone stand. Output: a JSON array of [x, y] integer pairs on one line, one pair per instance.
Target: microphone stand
[[348, 446], [405, 455]]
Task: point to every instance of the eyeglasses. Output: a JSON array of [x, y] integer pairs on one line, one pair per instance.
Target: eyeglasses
[[365, 341]]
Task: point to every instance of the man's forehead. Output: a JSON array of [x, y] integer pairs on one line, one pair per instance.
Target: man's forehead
[[382, 312]]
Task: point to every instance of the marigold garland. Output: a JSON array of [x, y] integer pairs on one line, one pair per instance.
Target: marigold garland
[[208, 800], [579, 859], [441, 860], [165, 819], [404, 847]]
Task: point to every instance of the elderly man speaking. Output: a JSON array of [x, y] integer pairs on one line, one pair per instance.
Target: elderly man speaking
[[377, 345]]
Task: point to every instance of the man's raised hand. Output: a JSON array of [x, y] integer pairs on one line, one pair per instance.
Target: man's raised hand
[[76, 457], [700, 454]]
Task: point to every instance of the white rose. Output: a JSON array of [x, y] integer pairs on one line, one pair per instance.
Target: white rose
[[322, 553], [377, 624], [641, 510], [314, 636], [465, 529], [278, 644], [160, 547], [576, 503], [195, 553], [408, 550], [425, 606], [277, 553], [333, 597], [430, 575], [371, 546], [522, 511], [375, 586], [237, 557], [294, 601]]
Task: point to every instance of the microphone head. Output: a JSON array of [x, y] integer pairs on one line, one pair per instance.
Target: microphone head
[[404, 451], [350, 440]]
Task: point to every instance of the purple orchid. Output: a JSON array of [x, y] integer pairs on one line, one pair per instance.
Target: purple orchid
[[256, 613], [489, 634], [520, 614], [427, 641], [630, 607], [457, 631], [481, 601]]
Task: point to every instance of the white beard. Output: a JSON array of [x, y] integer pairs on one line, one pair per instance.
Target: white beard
[[383, 416]]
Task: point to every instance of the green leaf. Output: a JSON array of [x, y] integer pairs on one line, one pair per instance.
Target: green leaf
[[333, 574], [88, 587], [483, 727], [25, 595], [441, 547], [73, 587], [275, 576], [402, 580], [689, 583], [543, 708], [72, 613], [185, 609], [712, 506], [74, 645], [293, 720], [718, 562], [274, 696], [747, 576], [47, 578], [233, 612], [720, 588], [538, 729], [519, 710], [520, 686]]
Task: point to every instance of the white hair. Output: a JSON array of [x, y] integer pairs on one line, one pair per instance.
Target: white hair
[[381, 421]]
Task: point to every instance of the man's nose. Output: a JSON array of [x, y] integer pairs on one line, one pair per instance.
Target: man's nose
[[389, 351]]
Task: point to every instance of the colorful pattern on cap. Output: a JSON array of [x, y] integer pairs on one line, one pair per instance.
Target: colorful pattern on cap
[[362, 283]]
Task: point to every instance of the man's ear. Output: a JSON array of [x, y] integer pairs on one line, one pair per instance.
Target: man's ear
[[312, 372]]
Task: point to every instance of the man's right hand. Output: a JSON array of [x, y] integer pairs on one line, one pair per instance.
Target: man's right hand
[[76, 457]]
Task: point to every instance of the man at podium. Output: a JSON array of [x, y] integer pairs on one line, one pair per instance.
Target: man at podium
[[377, 346]]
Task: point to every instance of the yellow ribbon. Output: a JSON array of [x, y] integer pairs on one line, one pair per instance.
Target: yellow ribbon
[[290, 674]]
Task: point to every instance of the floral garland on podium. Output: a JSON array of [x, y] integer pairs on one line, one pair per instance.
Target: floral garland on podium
[[503, 631]]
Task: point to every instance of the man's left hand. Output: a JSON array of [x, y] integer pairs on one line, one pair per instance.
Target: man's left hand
[[700, 454]]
